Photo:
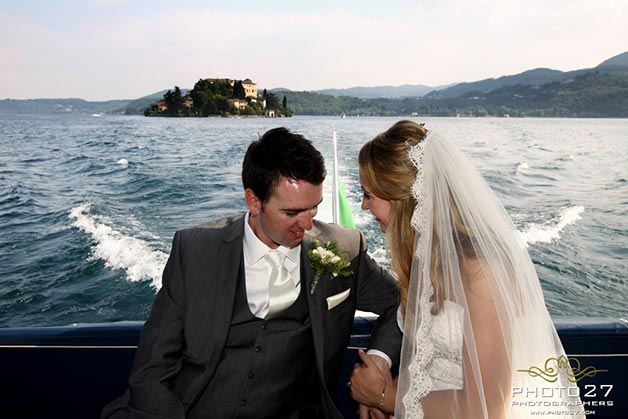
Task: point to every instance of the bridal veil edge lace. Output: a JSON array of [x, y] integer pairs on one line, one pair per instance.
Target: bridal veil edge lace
[[444, 362]]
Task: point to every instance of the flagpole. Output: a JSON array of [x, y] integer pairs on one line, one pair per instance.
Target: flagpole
[[335, 205]]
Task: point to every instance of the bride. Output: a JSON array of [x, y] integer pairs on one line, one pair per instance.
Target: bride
[[472, 311]]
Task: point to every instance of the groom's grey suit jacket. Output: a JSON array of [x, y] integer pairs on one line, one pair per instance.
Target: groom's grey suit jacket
[[183, 339]]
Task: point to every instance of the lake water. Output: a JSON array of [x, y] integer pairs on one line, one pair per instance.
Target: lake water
[[89, 205]]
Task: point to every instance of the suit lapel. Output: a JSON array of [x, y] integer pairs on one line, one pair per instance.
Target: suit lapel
[[219, 284], [226, 268], [229, 261], [314, 300]]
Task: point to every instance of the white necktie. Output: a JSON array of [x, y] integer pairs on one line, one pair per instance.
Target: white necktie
[[281, 289]]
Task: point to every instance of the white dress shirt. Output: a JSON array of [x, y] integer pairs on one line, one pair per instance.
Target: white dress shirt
[[257, 270], [257, 273]]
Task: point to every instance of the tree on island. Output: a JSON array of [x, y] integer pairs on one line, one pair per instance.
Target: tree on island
[[174, 101], [238, 90]]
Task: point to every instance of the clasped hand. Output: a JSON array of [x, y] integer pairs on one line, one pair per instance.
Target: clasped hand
[[367, 381]]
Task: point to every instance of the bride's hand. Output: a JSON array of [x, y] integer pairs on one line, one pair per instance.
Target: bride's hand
[[367, 412], [367, 381]]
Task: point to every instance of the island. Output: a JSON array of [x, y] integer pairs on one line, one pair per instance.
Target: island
[[220, 97]]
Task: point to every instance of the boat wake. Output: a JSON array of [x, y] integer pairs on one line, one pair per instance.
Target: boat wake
[[118, 250], [546, 232]]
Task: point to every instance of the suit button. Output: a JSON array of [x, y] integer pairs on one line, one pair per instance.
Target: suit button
[[243, 403], [251, 376], [264, 326], [258, 349]]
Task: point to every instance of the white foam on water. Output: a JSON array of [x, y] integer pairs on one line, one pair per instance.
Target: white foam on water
[[523, 166], [545, 233], [123, 162], [567, 158], [380, 256], [362, 217], [120, 251]]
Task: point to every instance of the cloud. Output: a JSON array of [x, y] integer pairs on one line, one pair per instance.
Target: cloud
[[429, 42], [100, 3], [32, 57]]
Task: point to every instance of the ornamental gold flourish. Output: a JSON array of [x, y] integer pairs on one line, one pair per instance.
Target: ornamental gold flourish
[[553, 367]]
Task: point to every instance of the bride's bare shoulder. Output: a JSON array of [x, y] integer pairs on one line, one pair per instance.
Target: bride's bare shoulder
[[477, 279]]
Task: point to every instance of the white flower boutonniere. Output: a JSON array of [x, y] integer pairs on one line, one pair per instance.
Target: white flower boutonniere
[[327, 260]]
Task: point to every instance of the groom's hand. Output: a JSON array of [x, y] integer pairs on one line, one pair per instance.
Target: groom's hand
[[367, 412], [382, 365]]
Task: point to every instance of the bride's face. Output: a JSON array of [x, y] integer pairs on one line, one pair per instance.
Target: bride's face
[[379, 207]]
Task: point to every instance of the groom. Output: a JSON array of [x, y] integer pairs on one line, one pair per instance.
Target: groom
[[240, 328]]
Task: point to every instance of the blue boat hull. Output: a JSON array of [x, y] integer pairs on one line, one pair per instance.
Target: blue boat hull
[[73, 371]]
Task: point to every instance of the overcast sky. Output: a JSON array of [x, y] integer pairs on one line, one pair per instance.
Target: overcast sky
[[125, 49]]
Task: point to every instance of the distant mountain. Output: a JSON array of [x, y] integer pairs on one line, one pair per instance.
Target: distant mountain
[[279, 89], [593, 94], [61, 106], [137, 106], [362, 92], [81, 106], [536, 77], [618, 60]]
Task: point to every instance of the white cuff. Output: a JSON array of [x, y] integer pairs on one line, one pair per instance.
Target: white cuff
[[381, 355]]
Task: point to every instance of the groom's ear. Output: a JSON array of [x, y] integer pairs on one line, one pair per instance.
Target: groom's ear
[[252, 202]]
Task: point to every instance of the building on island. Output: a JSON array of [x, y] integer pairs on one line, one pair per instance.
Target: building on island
[[161, 105], [239, 104], [250, 88]]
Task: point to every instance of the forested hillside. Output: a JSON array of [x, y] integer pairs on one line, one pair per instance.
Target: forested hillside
[[593, 94]]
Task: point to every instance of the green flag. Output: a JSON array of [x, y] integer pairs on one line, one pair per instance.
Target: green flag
[[346, 219], [341, 210]]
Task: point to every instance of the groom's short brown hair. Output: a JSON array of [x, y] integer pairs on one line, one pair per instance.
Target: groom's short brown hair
[[280, 153]]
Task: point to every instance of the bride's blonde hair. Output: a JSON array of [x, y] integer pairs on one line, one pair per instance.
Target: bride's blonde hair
[[386, 168], [388, 171]]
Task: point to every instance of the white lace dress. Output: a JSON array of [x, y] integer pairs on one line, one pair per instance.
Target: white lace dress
[[438, 362]]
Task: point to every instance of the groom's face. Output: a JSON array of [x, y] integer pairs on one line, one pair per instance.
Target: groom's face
[[285, 217]]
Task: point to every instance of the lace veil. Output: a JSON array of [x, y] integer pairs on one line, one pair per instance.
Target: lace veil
[[475, 322]]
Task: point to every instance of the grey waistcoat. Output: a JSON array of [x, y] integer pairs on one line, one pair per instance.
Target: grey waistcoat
[[267, 367]]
